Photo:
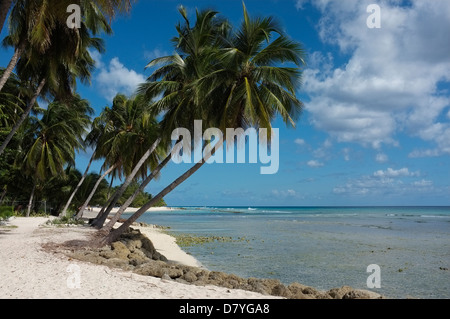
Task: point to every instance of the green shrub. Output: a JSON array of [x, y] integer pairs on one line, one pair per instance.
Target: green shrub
[[66, 220], [6, 212]]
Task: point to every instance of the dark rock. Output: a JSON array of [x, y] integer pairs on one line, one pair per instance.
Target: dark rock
[[338, 293]]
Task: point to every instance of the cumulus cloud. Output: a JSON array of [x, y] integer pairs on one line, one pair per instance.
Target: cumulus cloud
[[391, 79], [116, 78], [300, 141], [385, 182]]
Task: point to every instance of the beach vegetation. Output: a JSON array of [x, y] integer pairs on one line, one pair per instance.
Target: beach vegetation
[[65, 220], [6, 212], [234, 77], [228, 77]]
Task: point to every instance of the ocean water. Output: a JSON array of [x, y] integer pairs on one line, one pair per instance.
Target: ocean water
[[324, 247]]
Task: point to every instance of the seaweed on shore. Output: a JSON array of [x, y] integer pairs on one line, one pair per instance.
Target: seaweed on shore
[[187, 240]]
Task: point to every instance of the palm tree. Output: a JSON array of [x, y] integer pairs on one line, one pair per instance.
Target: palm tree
[[56, 72], [236, 82], [179, 98], [140, 189], [32, 24], [91, 141], [127, 128], [110, 8], [12, 101], [100, 137], [55, 137], [138, 131]]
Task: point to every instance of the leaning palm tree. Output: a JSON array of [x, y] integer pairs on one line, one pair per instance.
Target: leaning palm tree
[[138, 131], [32, 24], [109, 8], [57, 71], [123, 126], [180, 99], [238, 83]]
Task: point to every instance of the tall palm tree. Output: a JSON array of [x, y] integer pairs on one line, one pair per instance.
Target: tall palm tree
[[109, 8], [235, 83], [56, 72], [56, 136], [126, 128], [100, 137], [32, 24], [91, 141], [139, 132], [180, 99]]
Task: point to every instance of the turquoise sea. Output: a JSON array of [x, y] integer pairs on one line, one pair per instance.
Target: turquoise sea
[[324, 247]]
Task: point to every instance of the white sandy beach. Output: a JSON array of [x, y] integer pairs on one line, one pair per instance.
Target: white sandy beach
[[28, 271]]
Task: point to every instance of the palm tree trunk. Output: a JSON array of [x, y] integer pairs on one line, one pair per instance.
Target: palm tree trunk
[[4, 8], [128, 202], [12, 63], [30, 202], [114, 235], [64, 212], [109, 188], [24, 115], [100, 221], [102, 210], [83, 207], [3, 195]]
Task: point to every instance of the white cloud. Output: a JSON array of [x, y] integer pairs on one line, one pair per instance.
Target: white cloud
[[425, 153], [290, 193], [346, 152], [391, 79], [300, 141], [381, 158], [423, 183], [300, 4], [155, 53], [116, 78], [389, 182], [314, 163], [97, 58], [390, 172], [323, 151]]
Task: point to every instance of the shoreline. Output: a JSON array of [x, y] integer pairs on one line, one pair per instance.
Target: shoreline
[[29, 271], [31, 250]]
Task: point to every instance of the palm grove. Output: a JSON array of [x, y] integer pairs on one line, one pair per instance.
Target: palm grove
[[227, 76]]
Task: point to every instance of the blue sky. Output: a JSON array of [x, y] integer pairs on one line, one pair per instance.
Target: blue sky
[[376, 125]]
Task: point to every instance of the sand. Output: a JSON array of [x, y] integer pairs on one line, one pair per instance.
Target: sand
[[28, 271]]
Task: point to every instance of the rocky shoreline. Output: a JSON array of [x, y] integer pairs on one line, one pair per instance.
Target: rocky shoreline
[[135, 252]]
